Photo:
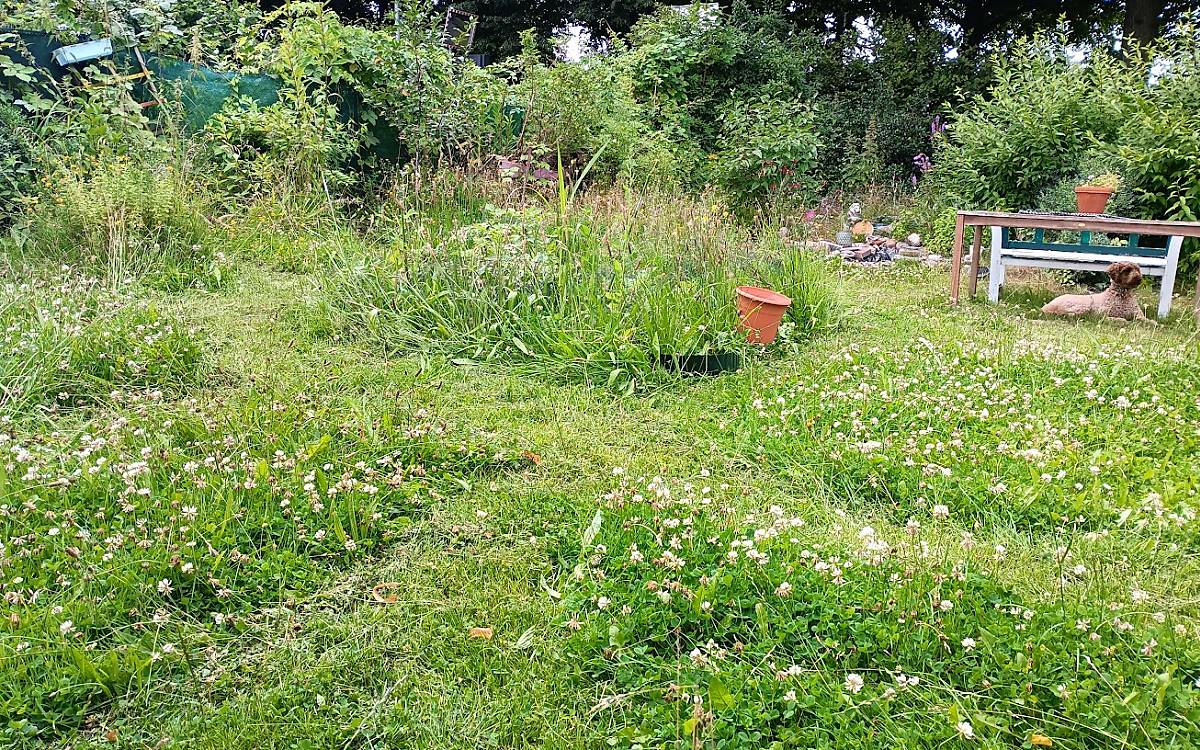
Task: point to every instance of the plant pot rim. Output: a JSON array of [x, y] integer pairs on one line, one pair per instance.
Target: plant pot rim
[[1094, 189], [765, 296]]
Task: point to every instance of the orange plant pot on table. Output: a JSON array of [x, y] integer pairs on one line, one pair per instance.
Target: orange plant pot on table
[[1092, 199]]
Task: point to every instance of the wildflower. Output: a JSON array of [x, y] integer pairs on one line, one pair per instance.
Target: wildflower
[[602, 602], [790, 696], [854, 683], [66, 627], [941, 512], [164, 587], [946, 605], [965, 729], [1138, 596], [968, 644], [784, 589]]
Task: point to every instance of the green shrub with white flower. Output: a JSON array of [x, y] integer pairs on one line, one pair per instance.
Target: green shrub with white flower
[[710, 627]]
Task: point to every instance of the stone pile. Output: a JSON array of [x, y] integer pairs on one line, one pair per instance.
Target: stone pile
[[878, 246]]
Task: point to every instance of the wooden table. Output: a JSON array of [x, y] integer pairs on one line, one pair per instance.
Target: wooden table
[[1083, 223]]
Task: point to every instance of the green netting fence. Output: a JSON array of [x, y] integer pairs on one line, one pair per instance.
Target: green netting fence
[[200, 90]]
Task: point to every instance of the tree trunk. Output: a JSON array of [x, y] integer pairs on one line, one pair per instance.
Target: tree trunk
[[1143, 20]]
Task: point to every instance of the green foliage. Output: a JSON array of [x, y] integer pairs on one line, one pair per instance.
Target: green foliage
[[770, 152], [1042, 114], [1045, 114], [70, 343], [17, 163], [548, 293], [585, 108], [126, 221], [1093, 167]]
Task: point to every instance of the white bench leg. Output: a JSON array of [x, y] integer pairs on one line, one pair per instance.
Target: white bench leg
[[1168, 279], [996, 269]]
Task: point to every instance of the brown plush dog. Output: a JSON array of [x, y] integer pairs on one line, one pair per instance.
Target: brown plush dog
[[1118, 301]]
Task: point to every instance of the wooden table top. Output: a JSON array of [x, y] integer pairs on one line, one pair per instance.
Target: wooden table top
[[1081, 223]]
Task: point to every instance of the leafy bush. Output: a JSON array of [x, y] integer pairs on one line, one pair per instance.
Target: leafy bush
[[17, 168], [1060, 196], [579, 110], [770, 151], [1042, 114]]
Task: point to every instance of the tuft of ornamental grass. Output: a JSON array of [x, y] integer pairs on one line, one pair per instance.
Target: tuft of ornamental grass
[[567, 291]]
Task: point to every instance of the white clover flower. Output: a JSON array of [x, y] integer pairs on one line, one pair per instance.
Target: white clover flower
[[965, 729], [946, 605], [854, 683], [968, 644], [941, 511], [66, 627], [165, 587]]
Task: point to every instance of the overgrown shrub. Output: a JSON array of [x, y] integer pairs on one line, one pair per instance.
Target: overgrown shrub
[[769, 152], [17, 168], [1046, 113], [1042, 114], [126, 220]]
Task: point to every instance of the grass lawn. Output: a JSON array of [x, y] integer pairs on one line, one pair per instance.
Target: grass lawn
[[929, 527]]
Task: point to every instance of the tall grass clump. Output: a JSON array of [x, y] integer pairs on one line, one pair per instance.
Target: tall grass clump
[[125, 220], [563, 291]]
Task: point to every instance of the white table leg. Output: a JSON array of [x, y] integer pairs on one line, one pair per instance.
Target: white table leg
[[1168, 279], [996, 269]]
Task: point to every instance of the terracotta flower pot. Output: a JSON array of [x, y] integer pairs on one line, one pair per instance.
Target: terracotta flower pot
[[1091, 199], [760, 311]]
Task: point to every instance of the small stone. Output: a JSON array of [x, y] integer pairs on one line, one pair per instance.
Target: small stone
[[914, 239]]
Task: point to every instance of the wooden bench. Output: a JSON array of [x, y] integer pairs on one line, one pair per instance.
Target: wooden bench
[[1036, 252]]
